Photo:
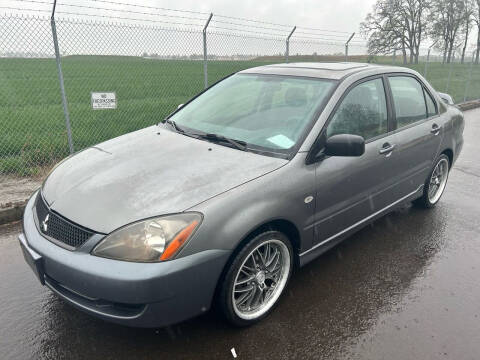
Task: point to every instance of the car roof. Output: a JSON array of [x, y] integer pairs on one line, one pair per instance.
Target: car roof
[[323, 70]]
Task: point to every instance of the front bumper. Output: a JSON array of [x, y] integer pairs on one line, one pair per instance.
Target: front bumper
[[134, 294]]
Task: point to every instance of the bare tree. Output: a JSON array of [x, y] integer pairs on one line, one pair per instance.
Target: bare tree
[[469, 12], [476, 18], [382, 28], [413, 15], [396, 25], [448, 17]]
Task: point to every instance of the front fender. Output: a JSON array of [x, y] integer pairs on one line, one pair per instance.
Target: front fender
[[280, 195]]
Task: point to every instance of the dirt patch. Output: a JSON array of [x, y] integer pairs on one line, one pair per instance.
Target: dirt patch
[[469, 105], [14, 190]]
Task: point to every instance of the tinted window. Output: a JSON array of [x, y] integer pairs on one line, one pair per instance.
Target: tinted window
[[362, 112], [408, 100], [431, 109]]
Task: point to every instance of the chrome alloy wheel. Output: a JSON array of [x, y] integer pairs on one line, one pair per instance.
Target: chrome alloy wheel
[[438, 180], [261, 279]]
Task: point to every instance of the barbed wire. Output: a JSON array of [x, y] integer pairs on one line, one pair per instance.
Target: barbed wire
[[246, 31], [329, 35], [273, 29], [276, 26], [23, 9], [150, 7], [325, 30], [282, 25], [254, 26], [128, 18], [35, 2], [135, 12], [314, 38], [251, 20]]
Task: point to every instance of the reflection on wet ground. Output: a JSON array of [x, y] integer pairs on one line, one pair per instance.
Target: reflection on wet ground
[[404, 287]]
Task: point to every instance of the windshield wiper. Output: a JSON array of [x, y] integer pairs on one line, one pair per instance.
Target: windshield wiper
[[174, 125], [239, 144]]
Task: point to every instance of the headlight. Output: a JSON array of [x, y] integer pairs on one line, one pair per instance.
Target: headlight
[[151, 240]]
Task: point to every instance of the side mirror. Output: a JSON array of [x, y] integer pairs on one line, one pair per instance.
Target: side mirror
[[179, 106], [446, 98], [345, 145]]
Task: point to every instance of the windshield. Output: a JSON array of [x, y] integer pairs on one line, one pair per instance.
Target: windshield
[[267, 112]]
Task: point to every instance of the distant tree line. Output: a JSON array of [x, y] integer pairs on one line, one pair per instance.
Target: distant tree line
[[405, 25]]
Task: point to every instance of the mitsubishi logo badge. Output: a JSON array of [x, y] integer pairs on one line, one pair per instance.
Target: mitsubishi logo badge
[[44, 223]]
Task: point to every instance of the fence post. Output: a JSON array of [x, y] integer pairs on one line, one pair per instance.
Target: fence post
[[426, 64], [288, 44], [452, 60], [428, 59], [467, 85], [346, 46], [205, 71], [60, 79]]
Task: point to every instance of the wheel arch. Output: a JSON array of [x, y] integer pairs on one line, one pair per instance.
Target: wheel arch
[[449, 153], [284, 226]]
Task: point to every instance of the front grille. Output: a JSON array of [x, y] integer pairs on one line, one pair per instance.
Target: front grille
[[58, 228]]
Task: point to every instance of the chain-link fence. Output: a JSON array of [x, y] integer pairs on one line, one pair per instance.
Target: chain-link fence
[[31, 118], [151, 66]]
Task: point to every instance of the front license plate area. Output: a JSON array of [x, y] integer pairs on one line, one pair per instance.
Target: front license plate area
[[34, 260]]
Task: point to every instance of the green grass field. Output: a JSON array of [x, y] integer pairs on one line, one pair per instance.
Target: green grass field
[[33, 135]]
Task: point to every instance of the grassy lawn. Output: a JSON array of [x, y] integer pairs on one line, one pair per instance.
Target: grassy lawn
[[33, 135], [437, 75]]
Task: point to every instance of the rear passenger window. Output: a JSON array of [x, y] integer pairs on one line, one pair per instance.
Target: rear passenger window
[[431, 109], [363, 112], [408, 100]]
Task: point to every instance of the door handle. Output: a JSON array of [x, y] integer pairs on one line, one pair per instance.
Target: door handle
[[435, 129], [387, 148]]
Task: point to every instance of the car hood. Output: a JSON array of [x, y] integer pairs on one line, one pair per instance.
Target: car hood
[[147, 173]]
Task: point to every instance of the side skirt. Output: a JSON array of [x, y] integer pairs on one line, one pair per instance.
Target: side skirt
[[320, 248]]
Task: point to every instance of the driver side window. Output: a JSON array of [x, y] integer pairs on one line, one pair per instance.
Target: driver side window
[[363, 112]]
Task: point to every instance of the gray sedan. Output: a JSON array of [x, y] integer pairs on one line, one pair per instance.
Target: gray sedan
[[262, 172]]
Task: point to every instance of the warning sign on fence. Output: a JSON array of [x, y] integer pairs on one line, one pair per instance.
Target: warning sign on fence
[[104, 100]]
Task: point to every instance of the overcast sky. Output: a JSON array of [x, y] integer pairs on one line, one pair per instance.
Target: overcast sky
[[340, 15], [344, 15]]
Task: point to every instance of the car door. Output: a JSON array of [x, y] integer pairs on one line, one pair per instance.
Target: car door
[[418, 133], [348, 189]]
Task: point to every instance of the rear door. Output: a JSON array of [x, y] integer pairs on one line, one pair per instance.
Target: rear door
[[418, 133], [348, 189]]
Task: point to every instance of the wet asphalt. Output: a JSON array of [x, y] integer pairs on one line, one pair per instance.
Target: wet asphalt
[[406, 287]]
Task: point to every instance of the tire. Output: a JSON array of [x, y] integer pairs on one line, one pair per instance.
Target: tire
[[430, 196], [243, 286]]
